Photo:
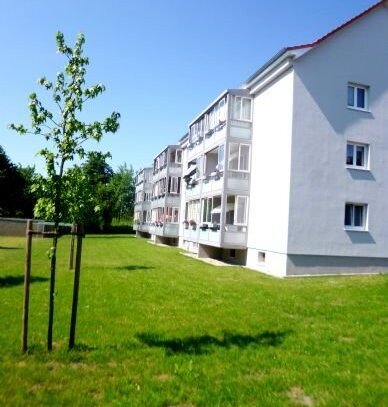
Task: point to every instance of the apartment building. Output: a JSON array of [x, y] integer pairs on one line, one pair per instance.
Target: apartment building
[[288, 175], [158, 197], [143, 195], [216, 185]]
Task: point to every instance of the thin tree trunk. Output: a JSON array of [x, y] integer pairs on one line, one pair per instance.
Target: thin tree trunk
[[57, 203]]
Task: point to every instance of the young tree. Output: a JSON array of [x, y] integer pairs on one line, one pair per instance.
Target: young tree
[[66, 134]]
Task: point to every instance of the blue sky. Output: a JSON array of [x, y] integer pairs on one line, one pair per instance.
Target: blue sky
[[162, 61]]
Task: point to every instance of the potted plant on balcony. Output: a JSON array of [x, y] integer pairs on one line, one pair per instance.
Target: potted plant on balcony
[[186, 224], [204, 226], [214, 227], [193, 224]]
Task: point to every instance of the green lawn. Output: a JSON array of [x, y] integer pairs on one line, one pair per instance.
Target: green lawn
[[156, 328]]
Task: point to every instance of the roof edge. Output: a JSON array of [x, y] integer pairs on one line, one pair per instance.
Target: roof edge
[[339, 28]]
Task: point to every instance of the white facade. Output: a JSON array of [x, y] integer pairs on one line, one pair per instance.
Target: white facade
[[312, 196]]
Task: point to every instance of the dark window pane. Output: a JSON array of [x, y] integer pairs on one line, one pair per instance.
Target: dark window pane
[[349, 154], [361, 98], [350, 96], [358, 215], [360, 155], [348, 214]]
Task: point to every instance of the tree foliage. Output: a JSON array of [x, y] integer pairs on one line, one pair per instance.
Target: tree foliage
[[123, 186], [16, 198], [63, 130]]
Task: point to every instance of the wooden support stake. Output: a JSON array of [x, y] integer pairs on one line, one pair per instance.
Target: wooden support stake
[[71, 259], [77, 271], [51, 298], [27, 277]]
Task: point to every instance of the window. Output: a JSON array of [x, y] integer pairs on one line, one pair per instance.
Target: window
[[172, 215], [211, 210], [199, 169], [193, 210], [220, 159], [261, 257], [174, 185], [357, 155], [355, 216], [242, 108], [241, 210], [222, 115], [175, 215], [357, 96], [178, 156], [239, 157]]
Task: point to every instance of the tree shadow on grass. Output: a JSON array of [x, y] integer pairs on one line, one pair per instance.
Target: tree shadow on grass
[[110, 236], [10, 281], [134, 267], [198, 345], [10, 248]]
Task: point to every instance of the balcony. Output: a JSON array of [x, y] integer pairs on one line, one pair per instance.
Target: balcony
[[165, 229], [142, 227], [190, 233], [235, 236], [237, 181], [210, 234], [193, 188], [212, 183], [217, 137], [172, 200]]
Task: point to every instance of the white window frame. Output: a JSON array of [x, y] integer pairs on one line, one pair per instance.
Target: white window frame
[[175, 181], [241, 108], [365, 216], [221, 158], [175, 210], [239, 158], [366, 155], [356, 86], [222, 110], [246, 198]]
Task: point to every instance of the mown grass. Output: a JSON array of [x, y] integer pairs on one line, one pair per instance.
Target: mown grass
[[156, 328]]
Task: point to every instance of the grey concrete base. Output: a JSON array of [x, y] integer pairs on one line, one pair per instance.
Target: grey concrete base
[[168, 241], [300, 265], [144, 235], [237, 256]]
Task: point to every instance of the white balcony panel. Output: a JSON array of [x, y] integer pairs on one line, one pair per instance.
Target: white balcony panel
[[215, 139], [159, 174], [143, 228], [210, 236], [237, 184], [158, 203], [193, 191], [173, 200], [212, 185], [171, 229], [191, 234], [239, 129], [235, 238], [175, 169], [194, 152]]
